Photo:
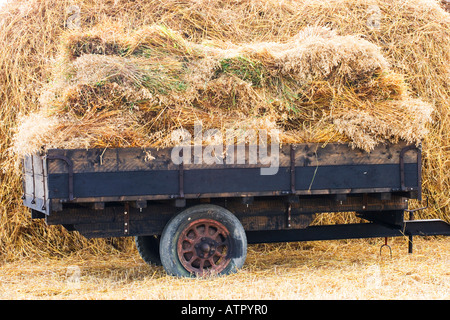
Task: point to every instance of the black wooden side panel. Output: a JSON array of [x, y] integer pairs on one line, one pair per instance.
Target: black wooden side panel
[[101, 184], [355, 177], [241, 180]]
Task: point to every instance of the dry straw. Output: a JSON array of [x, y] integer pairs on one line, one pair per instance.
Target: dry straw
[[118, 90], [131, 62]]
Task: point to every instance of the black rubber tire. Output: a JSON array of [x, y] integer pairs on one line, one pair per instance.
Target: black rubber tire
[[148, 248], [174, 228]]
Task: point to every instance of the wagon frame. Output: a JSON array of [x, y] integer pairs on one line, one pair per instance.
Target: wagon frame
[[143, 193]]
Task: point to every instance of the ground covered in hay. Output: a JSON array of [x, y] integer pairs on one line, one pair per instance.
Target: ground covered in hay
[[347, 270]]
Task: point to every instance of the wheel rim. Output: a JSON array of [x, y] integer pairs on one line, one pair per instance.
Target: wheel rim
[[204, 247]]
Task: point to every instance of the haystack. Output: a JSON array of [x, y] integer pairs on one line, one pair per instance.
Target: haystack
[[113, 89], [411, 39]]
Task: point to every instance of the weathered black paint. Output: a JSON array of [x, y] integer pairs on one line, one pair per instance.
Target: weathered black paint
[[244, 180], [117, 192], [351, 231]]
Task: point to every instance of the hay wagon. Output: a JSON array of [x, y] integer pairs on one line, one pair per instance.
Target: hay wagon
[[196, 218]]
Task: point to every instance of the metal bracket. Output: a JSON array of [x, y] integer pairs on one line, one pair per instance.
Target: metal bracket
[[292, 191], [419, 169], [126, 219], [181, 178], [288, 215], [44, 195], [292, 168], [365, 201], [23, 180], [411, 218], [33, 200], [69, 169], [418, 209]]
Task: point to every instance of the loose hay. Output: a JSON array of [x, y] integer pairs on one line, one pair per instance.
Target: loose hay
[[413, 37], [108, 97]]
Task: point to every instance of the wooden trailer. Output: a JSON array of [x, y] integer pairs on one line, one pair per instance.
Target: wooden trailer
[[196, 218]]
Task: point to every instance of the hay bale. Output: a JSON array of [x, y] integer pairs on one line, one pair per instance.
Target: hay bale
[[108, 98]]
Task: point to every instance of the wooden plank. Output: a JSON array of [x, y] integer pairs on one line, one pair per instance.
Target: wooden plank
[[154, 224], [35, 185], [262, 214], [354, 177], [82, 215], [27, 164], [115, 184], [38, 164], [112, 160], [33, 163], [352, 203], [100, 230], [339, 154], [137, 159]]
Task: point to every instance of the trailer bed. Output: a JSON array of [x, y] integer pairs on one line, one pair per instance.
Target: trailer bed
[[134, 174], [196, 217]]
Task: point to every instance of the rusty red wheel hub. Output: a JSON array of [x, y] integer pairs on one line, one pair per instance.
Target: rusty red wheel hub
[[204, 247]]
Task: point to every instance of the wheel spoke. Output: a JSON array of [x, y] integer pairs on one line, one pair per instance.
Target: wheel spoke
[[219, 254], [187, 250], [215, 234], [202, 264], [213, 263], [192, 234], [202, 247], [200, 230]]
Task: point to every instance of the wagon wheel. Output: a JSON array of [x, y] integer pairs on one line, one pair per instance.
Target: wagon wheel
[[203, 240], [203, 246], [148, 248]]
